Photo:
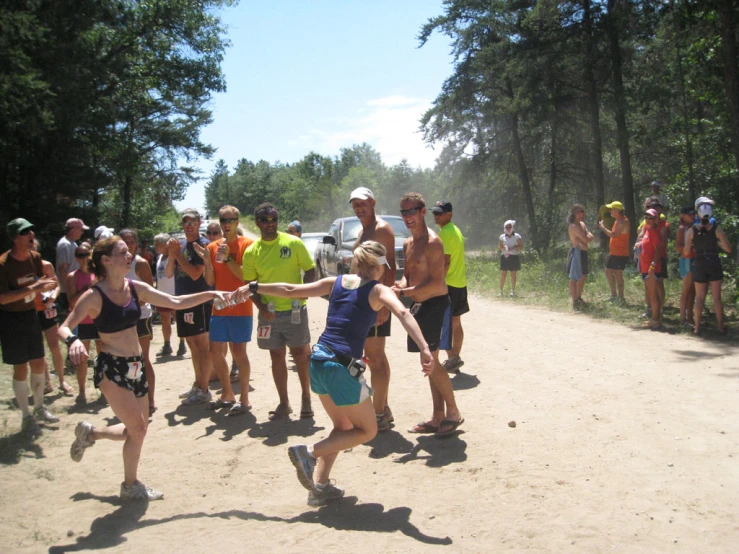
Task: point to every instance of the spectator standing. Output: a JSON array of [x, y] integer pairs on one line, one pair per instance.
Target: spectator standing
[[650, 264], [21, 278], [510, 246], [452, 333], [687, 295], [166, 285], [374, 228], [295, 228], [278, 257], [661, 197], [619, 250], [577, 257], [193, 324], [65, 260]]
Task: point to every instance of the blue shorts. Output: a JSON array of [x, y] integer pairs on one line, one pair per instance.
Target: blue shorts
[[231, 328], [332, 378], [686, 266]]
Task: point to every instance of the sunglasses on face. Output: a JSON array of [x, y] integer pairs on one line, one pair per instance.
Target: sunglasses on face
[[228, 220], [211, 233], [649, 217], [189, 223], [410, 211], [82, 255], [267, 219]]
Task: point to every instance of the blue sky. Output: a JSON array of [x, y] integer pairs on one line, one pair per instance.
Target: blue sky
[[318, 76]]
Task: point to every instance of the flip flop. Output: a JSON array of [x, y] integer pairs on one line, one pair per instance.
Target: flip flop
[[452, 427], [423, 428], [306, 411], [218, 404], [238, 409], [279, 412], [66, 390]]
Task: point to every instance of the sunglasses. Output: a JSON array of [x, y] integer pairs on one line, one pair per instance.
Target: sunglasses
[[211, 233], [24, 232], [228, 220], [410, 211], [189, 223], [649, 217], [267, 219], [82, 255]]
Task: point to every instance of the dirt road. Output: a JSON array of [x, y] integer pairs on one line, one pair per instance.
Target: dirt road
[[625, 441]]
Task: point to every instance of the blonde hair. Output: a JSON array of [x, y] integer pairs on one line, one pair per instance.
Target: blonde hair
[[366, 256], [229, 208]]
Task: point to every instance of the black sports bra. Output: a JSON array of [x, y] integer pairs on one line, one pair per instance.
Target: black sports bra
[[114, 318]]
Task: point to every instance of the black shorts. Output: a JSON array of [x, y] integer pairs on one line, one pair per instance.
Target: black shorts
[[617, 262], [87, 331], [458, 300], [143, 328], [511, 263], [707, 268], [584, 260], [126, 372], [663, 271], [429, 315], [45, 322], [20, 337], [380, 330], [194, 321]]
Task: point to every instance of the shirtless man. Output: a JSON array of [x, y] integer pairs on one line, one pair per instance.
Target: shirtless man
[[579, 237], [377, 229], [424, 281]]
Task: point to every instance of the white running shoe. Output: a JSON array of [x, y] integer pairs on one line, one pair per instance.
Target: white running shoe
[[139, 491], [189, 392], [198, 397], [83, 440], [43, 414]]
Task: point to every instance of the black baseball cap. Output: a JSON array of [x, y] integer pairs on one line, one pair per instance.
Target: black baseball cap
[[442, 207]]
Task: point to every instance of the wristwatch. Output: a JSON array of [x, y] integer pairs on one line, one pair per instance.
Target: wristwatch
[[253, 286], [70, 339]]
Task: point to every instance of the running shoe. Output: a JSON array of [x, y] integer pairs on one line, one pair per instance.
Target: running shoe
[[189, 392], [452, 365], [198, 397], [82, 432], [304, 464], [320, 495], [43, 414], [182, 349], [166, 350], [139, 491]]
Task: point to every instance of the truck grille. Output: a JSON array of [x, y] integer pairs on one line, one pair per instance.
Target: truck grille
[[399, 259]]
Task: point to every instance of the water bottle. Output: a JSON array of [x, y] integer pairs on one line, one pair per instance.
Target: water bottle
[[295, 316], [219, 304], [271, 307]]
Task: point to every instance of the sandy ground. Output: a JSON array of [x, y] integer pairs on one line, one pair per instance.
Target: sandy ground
[[625, 441]]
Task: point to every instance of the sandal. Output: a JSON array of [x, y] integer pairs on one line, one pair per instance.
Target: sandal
[[306, 411], [423, 428], [279, 412], [48, 388], [238, 409], [218, 404], [66, 389], [450, 427]]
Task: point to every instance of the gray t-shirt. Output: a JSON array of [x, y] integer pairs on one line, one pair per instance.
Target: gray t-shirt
[[65, 249]]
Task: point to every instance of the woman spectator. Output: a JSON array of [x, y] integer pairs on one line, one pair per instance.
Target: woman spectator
[[166, 285], [114, 304], [687, 295], [77, 284], [335, 366], [510, 246], [141, 271], [704, 238], [650, 265]]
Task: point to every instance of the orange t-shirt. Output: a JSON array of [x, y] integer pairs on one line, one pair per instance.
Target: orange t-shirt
[[225, 279], [620, 243]]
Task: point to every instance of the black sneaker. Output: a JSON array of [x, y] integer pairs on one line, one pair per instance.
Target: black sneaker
[[182, 350], [166, 350]]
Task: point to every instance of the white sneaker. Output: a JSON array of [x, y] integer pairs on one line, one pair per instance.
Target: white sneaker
[[43, 414], [139, 491], [198, 397], [320, 495], [189, 392], [83, 440]]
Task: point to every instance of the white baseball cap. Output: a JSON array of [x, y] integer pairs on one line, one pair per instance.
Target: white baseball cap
[[104, 232], [361, 193], [704, 200]]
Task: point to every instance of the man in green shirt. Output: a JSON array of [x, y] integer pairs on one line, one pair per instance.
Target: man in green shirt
[[452, 334]]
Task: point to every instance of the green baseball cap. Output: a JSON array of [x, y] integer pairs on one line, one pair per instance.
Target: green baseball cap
[[17, 226]]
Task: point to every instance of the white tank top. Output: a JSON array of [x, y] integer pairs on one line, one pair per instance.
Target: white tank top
[[164, 283], [145, 306]]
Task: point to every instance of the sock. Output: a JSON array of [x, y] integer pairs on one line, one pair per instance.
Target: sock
[[37, 388], [21, 395], [320, 486]]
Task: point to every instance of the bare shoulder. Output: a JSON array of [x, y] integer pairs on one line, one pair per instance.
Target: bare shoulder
[[384, 228]]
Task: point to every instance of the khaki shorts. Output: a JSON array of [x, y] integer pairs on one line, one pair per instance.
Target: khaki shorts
[[273, 335]]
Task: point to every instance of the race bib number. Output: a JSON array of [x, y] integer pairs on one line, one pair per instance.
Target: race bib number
[[415, 308], [264, 332], [134, 370], [189, 318]]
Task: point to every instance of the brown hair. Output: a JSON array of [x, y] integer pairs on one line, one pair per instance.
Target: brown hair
[[229, 208], [573, 210], [84, 247], [411, 196], [102, 248]]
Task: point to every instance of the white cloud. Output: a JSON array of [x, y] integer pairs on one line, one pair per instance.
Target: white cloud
[[389, 124]]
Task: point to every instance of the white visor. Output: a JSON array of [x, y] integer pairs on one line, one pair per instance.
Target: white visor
[[382, 260]]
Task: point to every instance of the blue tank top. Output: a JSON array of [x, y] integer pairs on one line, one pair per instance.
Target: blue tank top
[[113, 318], [349, 319]]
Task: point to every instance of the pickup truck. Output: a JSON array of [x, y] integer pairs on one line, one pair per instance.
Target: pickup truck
[[334, 254]]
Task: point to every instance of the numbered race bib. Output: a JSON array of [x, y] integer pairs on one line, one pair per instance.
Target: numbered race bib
[[264, 332], [135, 370], [189, 317]]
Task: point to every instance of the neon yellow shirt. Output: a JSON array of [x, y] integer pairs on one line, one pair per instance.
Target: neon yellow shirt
[[453, 241], [277, 261]]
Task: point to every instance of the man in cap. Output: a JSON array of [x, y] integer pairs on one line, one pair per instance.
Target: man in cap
[[279, 258], [65, 260], [452, 334], [377, 229], [656, 191], [193, 324], [21, 339], [619, 250]]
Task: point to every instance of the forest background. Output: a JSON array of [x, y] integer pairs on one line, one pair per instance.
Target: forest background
[[548, 103]]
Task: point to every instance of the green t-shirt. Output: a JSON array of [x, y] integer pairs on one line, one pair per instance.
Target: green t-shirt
[[277, 261], [453, 241]]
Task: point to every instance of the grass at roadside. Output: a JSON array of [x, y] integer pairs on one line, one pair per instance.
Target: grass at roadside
[[543, 282]]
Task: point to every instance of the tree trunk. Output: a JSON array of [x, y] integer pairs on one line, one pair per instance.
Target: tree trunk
[[593, 106], [727, 30], [622, 133], [686, 128]]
